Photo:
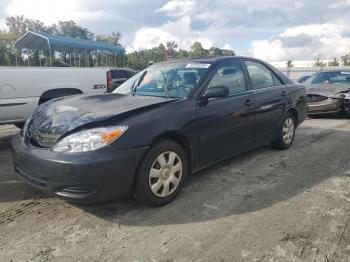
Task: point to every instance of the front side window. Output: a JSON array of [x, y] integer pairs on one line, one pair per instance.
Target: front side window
[[260, 75], [229, 74], [165, 80]]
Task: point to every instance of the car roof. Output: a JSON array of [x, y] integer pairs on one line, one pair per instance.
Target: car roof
[[206, 59]]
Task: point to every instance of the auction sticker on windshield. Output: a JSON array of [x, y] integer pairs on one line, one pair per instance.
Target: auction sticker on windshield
[[199, 65]]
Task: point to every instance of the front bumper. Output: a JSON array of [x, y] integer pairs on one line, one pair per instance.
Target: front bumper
[[87, 177], [330, 105]]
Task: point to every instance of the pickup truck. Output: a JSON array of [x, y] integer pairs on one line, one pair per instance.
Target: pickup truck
[[22, 89]]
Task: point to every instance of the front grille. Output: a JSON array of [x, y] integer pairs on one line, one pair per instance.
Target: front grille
[[315, 98]]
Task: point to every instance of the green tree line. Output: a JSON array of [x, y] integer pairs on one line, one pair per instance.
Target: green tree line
[[18, 25]]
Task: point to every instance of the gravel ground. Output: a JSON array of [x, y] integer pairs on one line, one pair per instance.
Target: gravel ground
[[264, 205]]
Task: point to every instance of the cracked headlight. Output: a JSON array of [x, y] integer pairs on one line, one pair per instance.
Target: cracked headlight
[[89, 140], [342, 96]]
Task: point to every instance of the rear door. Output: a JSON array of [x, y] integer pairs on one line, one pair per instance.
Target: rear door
[[225, 124], [270, 100]]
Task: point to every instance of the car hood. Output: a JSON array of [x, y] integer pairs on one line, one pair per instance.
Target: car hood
[[327, 89], [62, 115]]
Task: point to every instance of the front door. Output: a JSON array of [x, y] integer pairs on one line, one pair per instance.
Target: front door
[[225, 124]]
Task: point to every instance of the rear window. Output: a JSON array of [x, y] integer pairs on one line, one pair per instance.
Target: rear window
[[119, 74]]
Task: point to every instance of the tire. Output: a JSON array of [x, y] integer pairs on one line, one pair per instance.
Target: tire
[[165, 166], [285, 140]]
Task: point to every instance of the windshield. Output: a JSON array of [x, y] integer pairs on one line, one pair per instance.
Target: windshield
[[175, 80], [336, 77]]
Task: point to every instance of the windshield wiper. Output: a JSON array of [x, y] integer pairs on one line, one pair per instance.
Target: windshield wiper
[[134, 87], [165, 85]]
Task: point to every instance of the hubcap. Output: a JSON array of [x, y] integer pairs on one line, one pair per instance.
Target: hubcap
[[165, 174], [288, 130]]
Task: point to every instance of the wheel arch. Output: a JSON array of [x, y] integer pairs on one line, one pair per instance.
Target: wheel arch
[[179, 138], [294, 112], [58, 92]]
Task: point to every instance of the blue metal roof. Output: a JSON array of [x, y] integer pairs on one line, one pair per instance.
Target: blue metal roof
[[33, 40]]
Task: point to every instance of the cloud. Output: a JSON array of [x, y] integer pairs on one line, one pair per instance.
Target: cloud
[[304, 42], [178, 8], [178, 31], [246, 26]]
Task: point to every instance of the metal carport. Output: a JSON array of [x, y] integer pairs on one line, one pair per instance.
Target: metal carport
[[50, 43]]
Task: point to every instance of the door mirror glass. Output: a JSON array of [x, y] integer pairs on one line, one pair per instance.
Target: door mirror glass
[[216, 91]]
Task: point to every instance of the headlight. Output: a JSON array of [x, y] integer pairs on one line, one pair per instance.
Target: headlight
[[89, 140], [342, 96]]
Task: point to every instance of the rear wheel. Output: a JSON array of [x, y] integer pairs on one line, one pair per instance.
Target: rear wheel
[[286, 133], [161, 174]]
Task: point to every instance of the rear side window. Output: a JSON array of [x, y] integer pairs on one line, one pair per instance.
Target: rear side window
[[261, 76], [118, 74], [335, 77], [229, 74]]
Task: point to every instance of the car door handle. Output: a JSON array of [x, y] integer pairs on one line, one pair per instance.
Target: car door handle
[[248, 103], [284, 94]]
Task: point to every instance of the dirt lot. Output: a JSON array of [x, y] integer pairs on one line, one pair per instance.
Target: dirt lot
[[265, 205]]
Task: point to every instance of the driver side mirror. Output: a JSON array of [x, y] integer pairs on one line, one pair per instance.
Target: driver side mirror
[[216, 91]]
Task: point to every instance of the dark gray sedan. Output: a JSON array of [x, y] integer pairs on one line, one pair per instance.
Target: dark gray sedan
[[329, 92]]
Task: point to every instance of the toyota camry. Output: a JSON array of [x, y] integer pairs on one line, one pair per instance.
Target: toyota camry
[[167, 121]]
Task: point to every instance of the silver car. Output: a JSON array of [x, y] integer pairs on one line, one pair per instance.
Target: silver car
[[328, 92]]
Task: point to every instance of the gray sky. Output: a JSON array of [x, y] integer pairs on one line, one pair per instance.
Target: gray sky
[[268, 29]]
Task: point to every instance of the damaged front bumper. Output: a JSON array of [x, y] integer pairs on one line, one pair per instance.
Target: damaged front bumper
[[87, 177], [329, 105]]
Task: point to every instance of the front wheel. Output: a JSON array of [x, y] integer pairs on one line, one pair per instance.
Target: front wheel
[[161, 174], [286, 133]]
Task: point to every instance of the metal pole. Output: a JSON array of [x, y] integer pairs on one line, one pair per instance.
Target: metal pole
[[115, 59], [28, 57], [88, 58], [50, 54], [70, 58], [106, 58], [85, 57], [75, 58], [16, 57], [62, 54], [39, 58], [124, 59]]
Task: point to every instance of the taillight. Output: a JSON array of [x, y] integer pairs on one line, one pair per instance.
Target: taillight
[[109, 81]]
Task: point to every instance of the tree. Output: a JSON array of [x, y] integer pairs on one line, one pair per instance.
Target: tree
[[170, 49], [346, 60], [290, 63], [226, 52], [197, 50], [182, 53], [71, 29], [112, 39], [214, 51], [318, 62], [18, 25], [7, 50], [334, 62]]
